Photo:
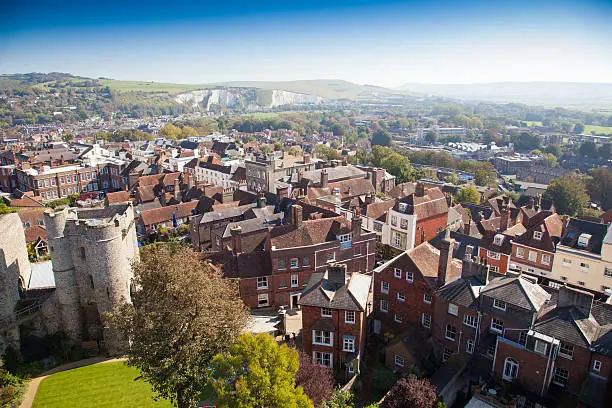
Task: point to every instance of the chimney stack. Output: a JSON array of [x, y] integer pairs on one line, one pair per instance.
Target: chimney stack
[[177, 190], [227, 195], [369, 199], [446, 257], [581, 300], [296, 215], [324, 178], [419, 190], [336, 273], [449, 199], [504, 218], [236, 232], [300, 175], [261, 200], [307, 158], [356, 222]]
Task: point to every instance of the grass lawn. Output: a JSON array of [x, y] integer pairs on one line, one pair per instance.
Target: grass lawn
[[600, 130], [98, 385]]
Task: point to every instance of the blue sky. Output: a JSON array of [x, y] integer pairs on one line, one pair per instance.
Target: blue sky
[[377, 42]]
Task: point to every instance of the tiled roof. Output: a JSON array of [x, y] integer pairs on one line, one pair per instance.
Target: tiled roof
[[517, 291], [118, 197], [34, 232], [164, 214], [402, 190], [225, 213], [432, 203], [242, 266], [353, 295], [458, 292], [147, 193], [461, 243], [310, 232], [334, 173], [379, 209], [550, 224]]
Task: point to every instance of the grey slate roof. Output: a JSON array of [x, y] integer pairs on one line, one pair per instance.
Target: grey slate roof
[[225, 213], [335, 173], [576, 227], [518, 292], [353, 295], [458, 292]]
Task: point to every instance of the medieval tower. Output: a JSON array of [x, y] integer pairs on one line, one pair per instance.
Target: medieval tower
[[92, 251]]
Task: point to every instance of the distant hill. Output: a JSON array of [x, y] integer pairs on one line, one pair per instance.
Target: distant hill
[[335, 89], [569, 94]]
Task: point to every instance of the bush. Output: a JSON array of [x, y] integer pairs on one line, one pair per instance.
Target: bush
[[11, 388]]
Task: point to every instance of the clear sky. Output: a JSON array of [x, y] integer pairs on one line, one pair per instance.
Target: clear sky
[[383, 42]]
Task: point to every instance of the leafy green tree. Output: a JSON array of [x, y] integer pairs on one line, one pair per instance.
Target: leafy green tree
[[381, 138], [484, 174], [578, 128], [525, 142], [568, 193], [605, 151], [599, 187], [11, 388], [187, 131], [340, 399], [324, 151], [430, 138], [5, 209], [588, 149], [452, 178], [258, 372], [468, 194], [554, 149], [183, 314], [67, 137], [170, 131], [411, 392], [550, 160]]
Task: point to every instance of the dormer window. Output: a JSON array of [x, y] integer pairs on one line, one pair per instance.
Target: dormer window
[[402, 207], [498, 240], [584, 240], [537, 235], [345, 240]]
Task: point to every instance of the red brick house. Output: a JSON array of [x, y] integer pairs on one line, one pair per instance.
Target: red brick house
[[496, 247], [568, 348], [404, 286], [534, 250], [335, 309]]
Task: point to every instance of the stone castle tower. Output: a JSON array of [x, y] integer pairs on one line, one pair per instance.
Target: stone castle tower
[[91, 250], [14, 274]]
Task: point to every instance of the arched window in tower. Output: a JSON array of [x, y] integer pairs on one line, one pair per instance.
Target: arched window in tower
[[91, 282]]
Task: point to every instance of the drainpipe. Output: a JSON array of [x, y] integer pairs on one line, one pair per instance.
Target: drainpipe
[[547, 364], [459, 342], [477, 335]]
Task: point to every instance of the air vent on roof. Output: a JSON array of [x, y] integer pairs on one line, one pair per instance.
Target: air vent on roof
[[584, 240]]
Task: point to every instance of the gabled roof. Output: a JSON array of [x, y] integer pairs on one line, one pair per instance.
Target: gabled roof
[[462, 241], [334, 173], [402, 190], [34, 232], [353, 295], [310, 232], [379, 210], [432, 203], [575, 228], [244, 265], [118, 197], [165, 214], [459, 292], [517, 291]]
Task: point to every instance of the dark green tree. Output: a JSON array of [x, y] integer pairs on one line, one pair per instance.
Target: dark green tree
[[599, 187], [568, 193], [578, 128], [381, 138]]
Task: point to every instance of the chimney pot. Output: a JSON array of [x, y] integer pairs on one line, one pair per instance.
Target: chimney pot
[[324, 178], [336, 273], [445, 260]]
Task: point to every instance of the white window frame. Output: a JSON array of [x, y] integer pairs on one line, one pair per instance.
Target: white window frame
[[596, 366], [426, 320], [538, 235], [513, 373], [546, 259], [294, 263], [520, 252], [532, 256], [399, 360], [567, 347], [409, 277], [427, 298], [348, 313], [500, 304], [397, 318], [263, 297], [538, 349], [295, 281], [331, 257], [262, 282], [350, 342], [493, 255], [384, 306], [323, 334], [453, 336], [494, 325], [400, 297], [469, 346], [397, 273], [453, 309], [558, 376], [469, 320], [318, 358], [384, 287], [326, 312]]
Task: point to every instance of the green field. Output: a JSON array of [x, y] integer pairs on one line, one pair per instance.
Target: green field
[[532, 123], [140, 86], [600, 130], [98, 385]]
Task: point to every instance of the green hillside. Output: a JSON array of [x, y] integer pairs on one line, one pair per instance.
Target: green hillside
[[141, 86]]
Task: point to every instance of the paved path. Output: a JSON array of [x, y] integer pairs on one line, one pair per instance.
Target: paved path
[[32, 387]]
